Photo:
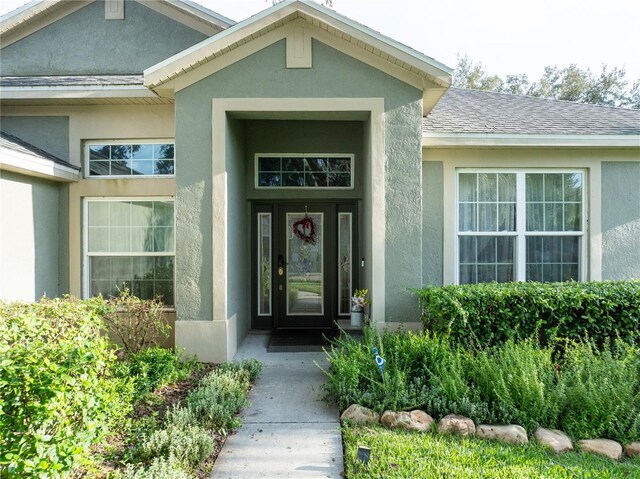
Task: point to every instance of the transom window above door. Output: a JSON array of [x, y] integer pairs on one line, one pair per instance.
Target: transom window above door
[[520, 226], [304, 171], [130, 158]]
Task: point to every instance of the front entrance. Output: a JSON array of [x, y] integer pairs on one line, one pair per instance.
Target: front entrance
[[304, 269]]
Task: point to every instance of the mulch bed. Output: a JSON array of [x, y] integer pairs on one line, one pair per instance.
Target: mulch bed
[[109, 455]]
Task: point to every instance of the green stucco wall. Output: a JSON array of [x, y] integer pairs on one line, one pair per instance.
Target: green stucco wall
[[277, 136], [620, 219], [433, 221], [239, 221], [49, 133], [84, 43], [29, 240], [334, 75]]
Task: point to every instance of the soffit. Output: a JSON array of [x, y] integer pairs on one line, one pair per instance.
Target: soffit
[[368, 43]]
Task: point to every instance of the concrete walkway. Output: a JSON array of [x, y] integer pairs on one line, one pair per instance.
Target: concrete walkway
[[288, 431]]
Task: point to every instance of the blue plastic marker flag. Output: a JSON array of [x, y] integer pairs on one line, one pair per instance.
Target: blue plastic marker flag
[[379, 361]]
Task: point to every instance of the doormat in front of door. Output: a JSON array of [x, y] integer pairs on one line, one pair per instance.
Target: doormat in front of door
[[295, 341]]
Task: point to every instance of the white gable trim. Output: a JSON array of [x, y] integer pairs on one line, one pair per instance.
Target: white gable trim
[[38, 14], [463, 140], [371, 43], [33, 165]]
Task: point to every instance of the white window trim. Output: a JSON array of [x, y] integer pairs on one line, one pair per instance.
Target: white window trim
[[521, 233], [149, 141], [86, 280], [351, 157]]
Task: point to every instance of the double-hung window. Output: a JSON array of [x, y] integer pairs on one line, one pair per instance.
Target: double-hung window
[[130, 243], [520, 226]]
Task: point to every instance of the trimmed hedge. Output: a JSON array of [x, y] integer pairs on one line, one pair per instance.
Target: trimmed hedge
[[492, 313], [57, 392]]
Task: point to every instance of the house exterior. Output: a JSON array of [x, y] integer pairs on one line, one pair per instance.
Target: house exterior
[[255, 173]]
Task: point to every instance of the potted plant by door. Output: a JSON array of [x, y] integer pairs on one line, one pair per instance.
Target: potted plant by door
[[358, 302]]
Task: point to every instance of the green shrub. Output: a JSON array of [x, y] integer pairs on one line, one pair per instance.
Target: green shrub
[[251, 367], [136, 323], [516, 381], [492, 313], [154, 367], [160, 468], [599, 391], [57, 393], [588, 392], [217, 399], [189, 446], [181, 417]]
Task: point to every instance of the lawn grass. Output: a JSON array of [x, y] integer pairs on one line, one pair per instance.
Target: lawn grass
[[401, 454]]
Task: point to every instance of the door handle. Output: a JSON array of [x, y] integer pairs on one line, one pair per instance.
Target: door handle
[[281, 265]]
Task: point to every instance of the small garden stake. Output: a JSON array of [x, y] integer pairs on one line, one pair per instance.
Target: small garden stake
[[379, 362]]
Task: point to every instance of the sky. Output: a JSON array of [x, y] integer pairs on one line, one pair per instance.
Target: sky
[[506, 36]]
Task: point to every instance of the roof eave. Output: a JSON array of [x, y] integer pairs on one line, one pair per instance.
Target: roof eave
[[76, 91], [33, 165], [467, 140]]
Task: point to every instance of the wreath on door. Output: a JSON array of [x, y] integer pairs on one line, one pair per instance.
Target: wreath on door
[[305, 230]]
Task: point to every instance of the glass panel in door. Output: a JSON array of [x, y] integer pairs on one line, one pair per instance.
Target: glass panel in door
[[305, 287]]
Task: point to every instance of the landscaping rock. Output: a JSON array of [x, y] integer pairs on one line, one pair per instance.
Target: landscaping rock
[[553, 438], [511, 433], [632, 449], [604, 447], [454, 424], [411, 421], [360, 415]]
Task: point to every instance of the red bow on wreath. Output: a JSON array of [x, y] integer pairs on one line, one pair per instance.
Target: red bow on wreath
[[305, 229]]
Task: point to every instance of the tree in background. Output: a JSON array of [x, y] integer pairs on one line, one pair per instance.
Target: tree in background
[[571, 83]]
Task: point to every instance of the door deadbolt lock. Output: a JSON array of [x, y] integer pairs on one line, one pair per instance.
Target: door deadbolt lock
[[281, 264], [280, 271]]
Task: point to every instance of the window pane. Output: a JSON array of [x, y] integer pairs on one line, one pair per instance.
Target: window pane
[[119, 240], [534, 187], [507, 187], [141, 213], [553, 217], [486, 249], [293, 179], [344, 263], [340, 165], [506, 216], [305, 172], [139, 167], [572, 217], [164, 167], [553, 258], [269, 164], [553, 189], [467, 190], [145, 276], [486, 258], [487, 217], [264, 260], [120, 213], [573, 187], [162, 213], [488, 187], [99, 152], [142, 152], [164, 151], [467, 220], [142, 159]]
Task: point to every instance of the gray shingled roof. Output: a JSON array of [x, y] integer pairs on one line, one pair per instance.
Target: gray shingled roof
[[72, 81], [472, 111], [10, 142]]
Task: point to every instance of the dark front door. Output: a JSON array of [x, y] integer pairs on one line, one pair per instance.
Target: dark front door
[[303, 265], [304, 256]]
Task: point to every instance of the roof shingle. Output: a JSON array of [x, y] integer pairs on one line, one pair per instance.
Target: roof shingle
[[10, 142], [472, 111]]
